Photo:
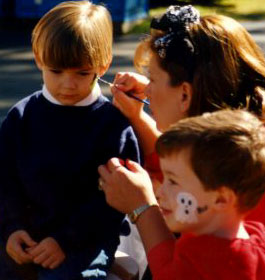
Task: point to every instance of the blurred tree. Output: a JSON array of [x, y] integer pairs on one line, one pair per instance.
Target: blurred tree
[[205, 2]]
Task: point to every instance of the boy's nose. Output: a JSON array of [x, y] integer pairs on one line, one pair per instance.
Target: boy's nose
[[69, 82], [159, 192]]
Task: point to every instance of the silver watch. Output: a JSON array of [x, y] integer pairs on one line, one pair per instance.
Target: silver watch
[[138, 211]]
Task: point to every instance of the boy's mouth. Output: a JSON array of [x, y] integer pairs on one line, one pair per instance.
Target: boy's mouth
[[165, 212], [68, 96]]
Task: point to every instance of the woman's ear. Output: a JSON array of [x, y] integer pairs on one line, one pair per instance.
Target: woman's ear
[[225, 199], [186, 96], [38, 61]]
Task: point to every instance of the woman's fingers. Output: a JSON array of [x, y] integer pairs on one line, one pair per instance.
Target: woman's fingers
[[114, 163], [134, 166], [105, 172], [130, 81], [126, 187], [124, 81]]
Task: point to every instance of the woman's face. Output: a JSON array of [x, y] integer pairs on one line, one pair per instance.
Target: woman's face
[[166, 101]]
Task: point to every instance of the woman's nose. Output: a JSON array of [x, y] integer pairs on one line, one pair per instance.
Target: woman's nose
[[147, 91]]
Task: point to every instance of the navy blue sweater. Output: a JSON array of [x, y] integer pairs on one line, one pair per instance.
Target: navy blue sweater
[[49, 155]]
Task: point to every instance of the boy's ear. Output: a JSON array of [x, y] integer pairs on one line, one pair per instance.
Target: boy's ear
[[225, 199], [102, 70], [38, 61], [186, 96]]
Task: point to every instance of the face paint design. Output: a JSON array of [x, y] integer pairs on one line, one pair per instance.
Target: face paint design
[[202, 209], [187, 208]]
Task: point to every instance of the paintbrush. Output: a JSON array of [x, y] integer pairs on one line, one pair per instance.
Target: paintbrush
[[128, 93]]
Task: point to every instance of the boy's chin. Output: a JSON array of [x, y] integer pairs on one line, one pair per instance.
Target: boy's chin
[[179, 227], [67, 101], [174, 226]]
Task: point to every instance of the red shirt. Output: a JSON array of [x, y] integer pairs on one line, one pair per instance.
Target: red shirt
[[258, 213], [207, 257]]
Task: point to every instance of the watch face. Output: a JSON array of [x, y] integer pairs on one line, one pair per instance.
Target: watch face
[[132, 217], [137, 212]]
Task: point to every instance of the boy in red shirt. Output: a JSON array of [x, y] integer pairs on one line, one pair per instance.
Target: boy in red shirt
[[214, 174]]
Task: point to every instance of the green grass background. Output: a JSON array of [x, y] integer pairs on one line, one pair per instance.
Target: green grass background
[[238, 9]]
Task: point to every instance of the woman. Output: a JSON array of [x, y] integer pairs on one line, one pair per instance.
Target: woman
[[195, 65]]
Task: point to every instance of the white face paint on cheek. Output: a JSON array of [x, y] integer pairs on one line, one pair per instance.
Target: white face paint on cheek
[[187, 208]]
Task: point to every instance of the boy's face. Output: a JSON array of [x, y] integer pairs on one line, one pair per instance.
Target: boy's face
[[185, 205], [70, 85]]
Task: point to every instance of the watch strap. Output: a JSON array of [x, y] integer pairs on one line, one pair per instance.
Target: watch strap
[[138, 211]]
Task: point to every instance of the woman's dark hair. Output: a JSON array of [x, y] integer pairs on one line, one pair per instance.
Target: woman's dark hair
[[217, 56]]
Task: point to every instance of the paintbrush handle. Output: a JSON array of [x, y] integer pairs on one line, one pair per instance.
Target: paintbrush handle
[[129, 93], [137, 98]]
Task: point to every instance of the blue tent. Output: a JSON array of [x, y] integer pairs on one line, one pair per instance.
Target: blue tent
[[121, 10]]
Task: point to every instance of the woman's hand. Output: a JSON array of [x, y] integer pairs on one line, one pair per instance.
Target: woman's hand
[[133, 83], [126, 188], [130, 81]]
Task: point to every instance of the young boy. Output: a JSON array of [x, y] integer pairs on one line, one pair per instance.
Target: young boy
[[54, 220], [214, 174]]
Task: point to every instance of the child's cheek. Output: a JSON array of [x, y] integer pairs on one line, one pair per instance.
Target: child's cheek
[[186, 211]]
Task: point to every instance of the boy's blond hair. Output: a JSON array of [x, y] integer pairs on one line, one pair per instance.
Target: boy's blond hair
[[227, 148], [74, 34]]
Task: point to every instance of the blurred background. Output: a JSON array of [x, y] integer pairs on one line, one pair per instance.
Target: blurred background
[[20, 77], [130, 13]]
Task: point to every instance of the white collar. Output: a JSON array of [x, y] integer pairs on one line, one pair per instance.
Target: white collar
[[91, 98]]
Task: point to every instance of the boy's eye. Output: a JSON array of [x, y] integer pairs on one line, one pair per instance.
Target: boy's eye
[[172, 182], [84, 73], [56, 71]]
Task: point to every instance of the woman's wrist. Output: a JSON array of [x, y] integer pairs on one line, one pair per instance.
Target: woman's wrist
[[136, 213], [138, 116], [152, 228]]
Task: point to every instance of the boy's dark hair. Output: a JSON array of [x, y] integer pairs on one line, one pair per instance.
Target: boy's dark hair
[[227, 149]]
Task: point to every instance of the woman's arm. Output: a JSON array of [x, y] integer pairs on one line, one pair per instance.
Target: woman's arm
[[143, 124], [128, 188], [152, 228]]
